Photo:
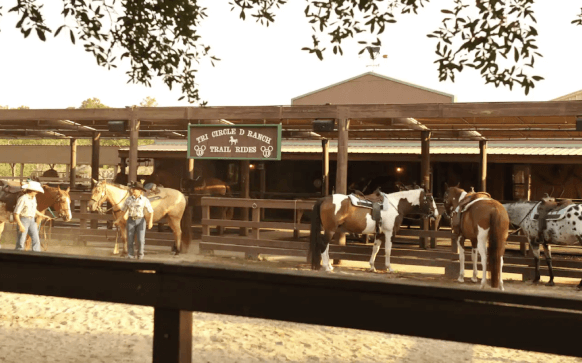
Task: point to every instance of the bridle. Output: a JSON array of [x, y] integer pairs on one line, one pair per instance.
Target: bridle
[[102, 199], [429, 202]]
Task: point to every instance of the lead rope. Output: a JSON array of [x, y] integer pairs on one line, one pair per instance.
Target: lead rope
[[524, 217]]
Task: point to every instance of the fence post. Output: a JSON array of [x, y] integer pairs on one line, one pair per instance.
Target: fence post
[[82, 222], [298, 214], [172, 336], [256, 218], [220, 229], [205, 220]]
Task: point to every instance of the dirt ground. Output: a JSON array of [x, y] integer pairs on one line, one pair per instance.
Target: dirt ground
[[46, 329]]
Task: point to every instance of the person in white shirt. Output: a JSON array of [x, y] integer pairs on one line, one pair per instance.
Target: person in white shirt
[[134, 215], [25, 213]]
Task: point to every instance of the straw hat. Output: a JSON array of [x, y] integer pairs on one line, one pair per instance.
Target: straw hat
[[33, 185], [138, 185]]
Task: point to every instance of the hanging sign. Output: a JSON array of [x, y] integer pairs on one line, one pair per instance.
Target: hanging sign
[[242, 142]]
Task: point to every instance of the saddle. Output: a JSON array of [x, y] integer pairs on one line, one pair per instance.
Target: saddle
[[153, 191], [549, 209], [374, 201], [9, 195], [471, 197]]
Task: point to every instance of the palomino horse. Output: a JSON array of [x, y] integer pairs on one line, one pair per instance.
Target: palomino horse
[[338, 215], [565, 230], [482, 219], [54, 198], [171, 204]]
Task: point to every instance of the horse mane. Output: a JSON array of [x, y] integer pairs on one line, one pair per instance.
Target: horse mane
[[120, 186]]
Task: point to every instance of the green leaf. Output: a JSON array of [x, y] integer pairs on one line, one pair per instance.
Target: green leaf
[[72, 36], [515, 54], [40, 34], [59, 30]]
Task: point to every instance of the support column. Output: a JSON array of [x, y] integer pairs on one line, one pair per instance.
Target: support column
[[191, 168], [341, 178], [483, 165], [73, 164], [262, 184], [21, 172], [425, 178], [245, 191], [133, 141], [325, 167], [95, 143]]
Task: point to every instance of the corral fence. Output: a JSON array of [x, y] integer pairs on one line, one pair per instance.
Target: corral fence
[[405, 250], [471, 316]]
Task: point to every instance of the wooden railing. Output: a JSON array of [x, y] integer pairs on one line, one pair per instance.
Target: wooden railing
[[254, 244], [419, 309]]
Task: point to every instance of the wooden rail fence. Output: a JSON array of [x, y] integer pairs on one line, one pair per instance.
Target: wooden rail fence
[[253, 244], [390, 306]]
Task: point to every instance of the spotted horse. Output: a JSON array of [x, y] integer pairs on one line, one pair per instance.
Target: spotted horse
[[563, 226], [339, 213]]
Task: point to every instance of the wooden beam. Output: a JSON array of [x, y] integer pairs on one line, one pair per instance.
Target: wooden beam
[[425, 181], [95, 143], [21, 172], [133, 145], [191, 168], [245, 172], [73, 164], [483, 166], [325, 167], [341, 178]]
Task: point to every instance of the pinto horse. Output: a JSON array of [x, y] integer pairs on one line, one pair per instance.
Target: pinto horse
[[171, 204], [338, 215], [482, 220]]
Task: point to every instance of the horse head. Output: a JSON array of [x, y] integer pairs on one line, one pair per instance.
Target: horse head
[[428, 206], [98, 196], [63, 203], [451, 198]]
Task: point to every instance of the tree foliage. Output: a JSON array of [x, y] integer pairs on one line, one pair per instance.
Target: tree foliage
[[160, 38], [93, 103], [149, 102]]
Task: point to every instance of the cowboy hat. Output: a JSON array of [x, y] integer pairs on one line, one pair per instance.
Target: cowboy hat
[[33, 185], [137, 185]]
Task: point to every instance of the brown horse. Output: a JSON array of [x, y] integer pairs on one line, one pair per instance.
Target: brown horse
[[338, 215], [481, 219], [54, 198]]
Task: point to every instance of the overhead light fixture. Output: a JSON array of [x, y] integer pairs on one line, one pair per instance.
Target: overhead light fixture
[[323, 125], [398, 170], [117, 126]]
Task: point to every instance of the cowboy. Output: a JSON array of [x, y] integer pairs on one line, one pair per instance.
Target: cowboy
[[25, 213], [134, 215]]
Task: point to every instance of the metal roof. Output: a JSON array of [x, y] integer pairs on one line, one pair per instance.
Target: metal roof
[[396, 147]]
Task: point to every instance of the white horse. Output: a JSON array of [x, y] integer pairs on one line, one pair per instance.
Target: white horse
[[566, 231], [171, 204]]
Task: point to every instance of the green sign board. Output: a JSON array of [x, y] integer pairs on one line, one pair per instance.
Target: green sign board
[[237, 142]]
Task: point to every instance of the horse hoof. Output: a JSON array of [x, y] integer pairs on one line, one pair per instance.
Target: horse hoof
[[482, 286], [372, 269], [461, 279], [535, 282], [501, 288], [551, 283], [578, 288], [390, 269], [474, 279]]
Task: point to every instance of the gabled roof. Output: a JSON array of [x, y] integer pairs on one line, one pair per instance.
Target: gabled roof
[[570, 96], [379, 76]]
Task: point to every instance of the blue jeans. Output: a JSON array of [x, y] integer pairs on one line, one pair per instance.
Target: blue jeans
[[136, 228], [30, 228]]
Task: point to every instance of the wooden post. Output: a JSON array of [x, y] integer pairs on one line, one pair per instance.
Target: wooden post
[[425, 178], [73, 162], [482, 165], [21, 172], [191, 168], [95, 144], [133, 141], [341, 178], [262, 184], [325, 167], [172, 336], [245, 191]]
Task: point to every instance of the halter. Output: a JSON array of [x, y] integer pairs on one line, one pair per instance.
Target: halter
[[102, 199]]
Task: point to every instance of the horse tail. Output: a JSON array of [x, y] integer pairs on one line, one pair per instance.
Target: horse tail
[[495, 249], [315, 237], [186, 226]]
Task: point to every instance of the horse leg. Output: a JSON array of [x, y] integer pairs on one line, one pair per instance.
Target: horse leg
[[535, 249], [1, 230], [325, 261], [548, 254], [375, 249], [474, 257], [482, 238], [123, 230], [175, 226], [460, 240], [388, 249]]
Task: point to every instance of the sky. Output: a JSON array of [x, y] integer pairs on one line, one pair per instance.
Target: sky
[[266, 66]]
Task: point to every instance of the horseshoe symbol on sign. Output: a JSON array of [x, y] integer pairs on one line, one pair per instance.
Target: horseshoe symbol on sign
[[199, 150], [266, 151]]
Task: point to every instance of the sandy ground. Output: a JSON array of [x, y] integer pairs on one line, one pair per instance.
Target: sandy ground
[[46, 329]]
